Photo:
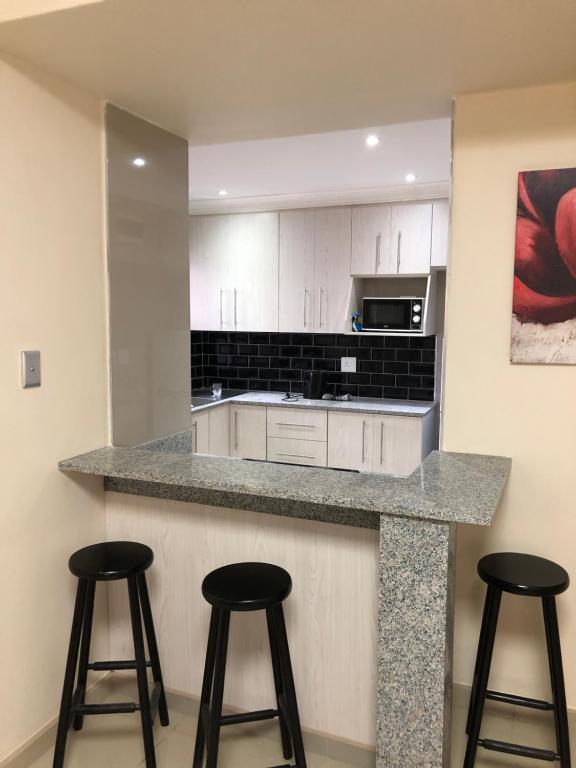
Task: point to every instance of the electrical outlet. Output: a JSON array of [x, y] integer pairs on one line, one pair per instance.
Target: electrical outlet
[[348, 364]]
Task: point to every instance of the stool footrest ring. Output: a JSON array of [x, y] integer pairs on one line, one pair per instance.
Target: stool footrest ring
[[519, 701], [110, 666], [114, 708], [518, 749]]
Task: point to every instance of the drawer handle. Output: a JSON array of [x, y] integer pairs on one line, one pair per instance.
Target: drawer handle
[[290, 424], [296, 455]]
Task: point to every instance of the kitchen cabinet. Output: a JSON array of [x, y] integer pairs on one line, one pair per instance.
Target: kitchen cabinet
[[211, 431], [388, 445], [286, 450], [248, 431], [440, 233], [234, 272], [397, 445], [314, 252], [201, 432], [411, 236], [371, 231], [296, 268], [350, 441], [297, 423], [332, 283]]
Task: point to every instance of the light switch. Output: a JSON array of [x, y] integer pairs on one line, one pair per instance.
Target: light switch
[[30, 369], [348, 364]]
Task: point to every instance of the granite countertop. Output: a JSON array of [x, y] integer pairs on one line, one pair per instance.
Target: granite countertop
[[448, 487], [357, 405]]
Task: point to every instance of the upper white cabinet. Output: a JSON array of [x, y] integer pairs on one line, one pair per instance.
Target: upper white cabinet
[[391, 239], [314, 269], [440, 224], [234, 272], [411, 238], [296, 256], [371, 240]]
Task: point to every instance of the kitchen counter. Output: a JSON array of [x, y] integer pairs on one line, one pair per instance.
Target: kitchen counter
[[416, 518], [356, 405]]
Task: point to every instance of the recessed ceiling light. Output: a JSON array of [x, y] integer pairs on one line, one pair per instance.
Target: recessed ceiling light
[[410, 177], [139, 162], [222, 192], [372, 141]]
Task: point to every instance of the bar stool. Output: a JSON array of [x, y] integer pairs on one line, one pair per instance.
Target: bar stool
[[532, 576], [247, 587], [111, 561]]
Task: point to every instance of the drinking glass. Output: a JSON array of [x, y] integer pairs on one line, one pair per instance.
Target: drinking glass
[[217, 390]]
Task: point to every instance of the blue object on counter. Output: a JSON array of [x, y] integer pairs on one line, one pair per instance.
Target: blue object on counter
[[356, 322]]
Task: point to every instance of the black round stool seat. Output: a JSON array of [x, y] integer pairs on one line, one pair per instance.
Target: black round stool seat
[[523, 574], [111, 560], [247, 586]]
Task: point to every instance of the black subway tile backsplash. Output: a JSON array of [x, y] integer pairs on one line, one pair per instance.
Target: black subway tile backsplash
[[397, 367]]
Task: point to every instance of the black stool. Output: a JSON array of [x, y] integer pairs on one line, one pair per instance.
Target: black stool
[[109, 562], [247, 587], [535, 577]]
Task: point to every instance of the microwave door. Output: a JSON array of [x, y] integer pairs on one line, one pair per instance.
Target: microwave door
[[384, 315]]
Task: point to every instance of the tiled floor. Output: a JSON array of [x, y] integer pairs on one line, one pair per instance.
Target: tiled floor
[[114, 741]]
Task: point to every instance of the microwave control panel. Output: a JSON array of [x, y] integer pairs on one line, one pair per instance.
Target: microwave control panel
[[417, 314]]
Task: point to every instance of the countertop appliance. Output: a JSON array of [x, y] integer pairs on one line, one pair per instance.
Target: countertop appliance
[[314, 385], [402, 314]]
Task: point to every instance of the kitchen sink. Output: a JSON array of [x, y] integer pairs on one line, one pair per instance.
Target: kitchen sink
[[205, 396]]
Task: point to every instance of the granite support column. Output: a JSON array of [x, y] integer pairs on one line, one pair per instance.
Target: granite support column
[[415, 628]]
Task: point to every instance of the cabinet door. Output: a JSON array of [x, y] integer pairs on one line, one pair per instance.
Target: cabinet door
[[332, 281], [211, 289], [296, 270], [397, 444], [411, 238], [371, 240], [253, 264], [220, 431], [350, 437], [201, 432], [440, 217], [248, 431]]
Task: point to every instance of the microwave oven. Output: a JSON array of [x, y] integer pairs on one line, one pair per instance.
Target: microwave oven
[[399, 315]]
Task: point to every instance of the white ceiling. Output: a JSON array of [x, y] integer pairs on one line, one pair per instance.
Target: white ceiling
[[227, 70], [321, 162]]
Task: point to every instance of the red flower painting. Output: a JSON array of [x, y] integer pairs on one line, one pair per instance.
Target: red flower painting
[[545, 257]]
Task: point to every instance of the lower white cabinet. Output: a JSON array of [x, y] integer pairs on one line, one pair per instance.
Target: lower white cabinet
[[388, 445], [211, 432], [248, 431], [293, 451]]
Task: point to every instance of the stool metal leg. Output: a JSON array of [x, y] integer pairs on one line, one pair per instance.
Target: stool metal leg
[[291, 702], [153, 647], [479, 654], [140, 658], [557, 680], [85, 651], [485, 661], [70, 674], [279, 686], [215, 714], [205, 696]]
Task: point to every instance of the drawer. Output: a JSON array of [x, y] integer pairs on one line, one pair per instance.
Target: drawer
[[290, 451], [297, 423]]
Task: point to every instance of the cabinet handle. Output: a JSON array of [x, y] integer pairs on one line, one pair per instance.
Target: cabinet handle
[[305, 297], [235, 313], [320, 305], [381, 442], [398, 248], [195, 426], [290, 424], [363, 441], [378, 243], [221, 292], [235, 430], [296, 455]]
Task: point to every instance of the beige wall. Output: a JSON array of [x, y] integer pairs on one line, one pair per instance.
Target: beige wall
[[491, 406], [52, 298]]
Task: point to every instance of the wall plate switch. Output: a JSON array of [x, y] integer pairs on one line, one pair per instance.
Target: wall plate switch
[[348, 364], [30, 369]]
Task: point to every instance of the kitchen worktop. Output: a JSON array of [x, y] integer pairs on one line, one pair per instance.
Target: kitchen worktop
[[448, 487], [356, 405]]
